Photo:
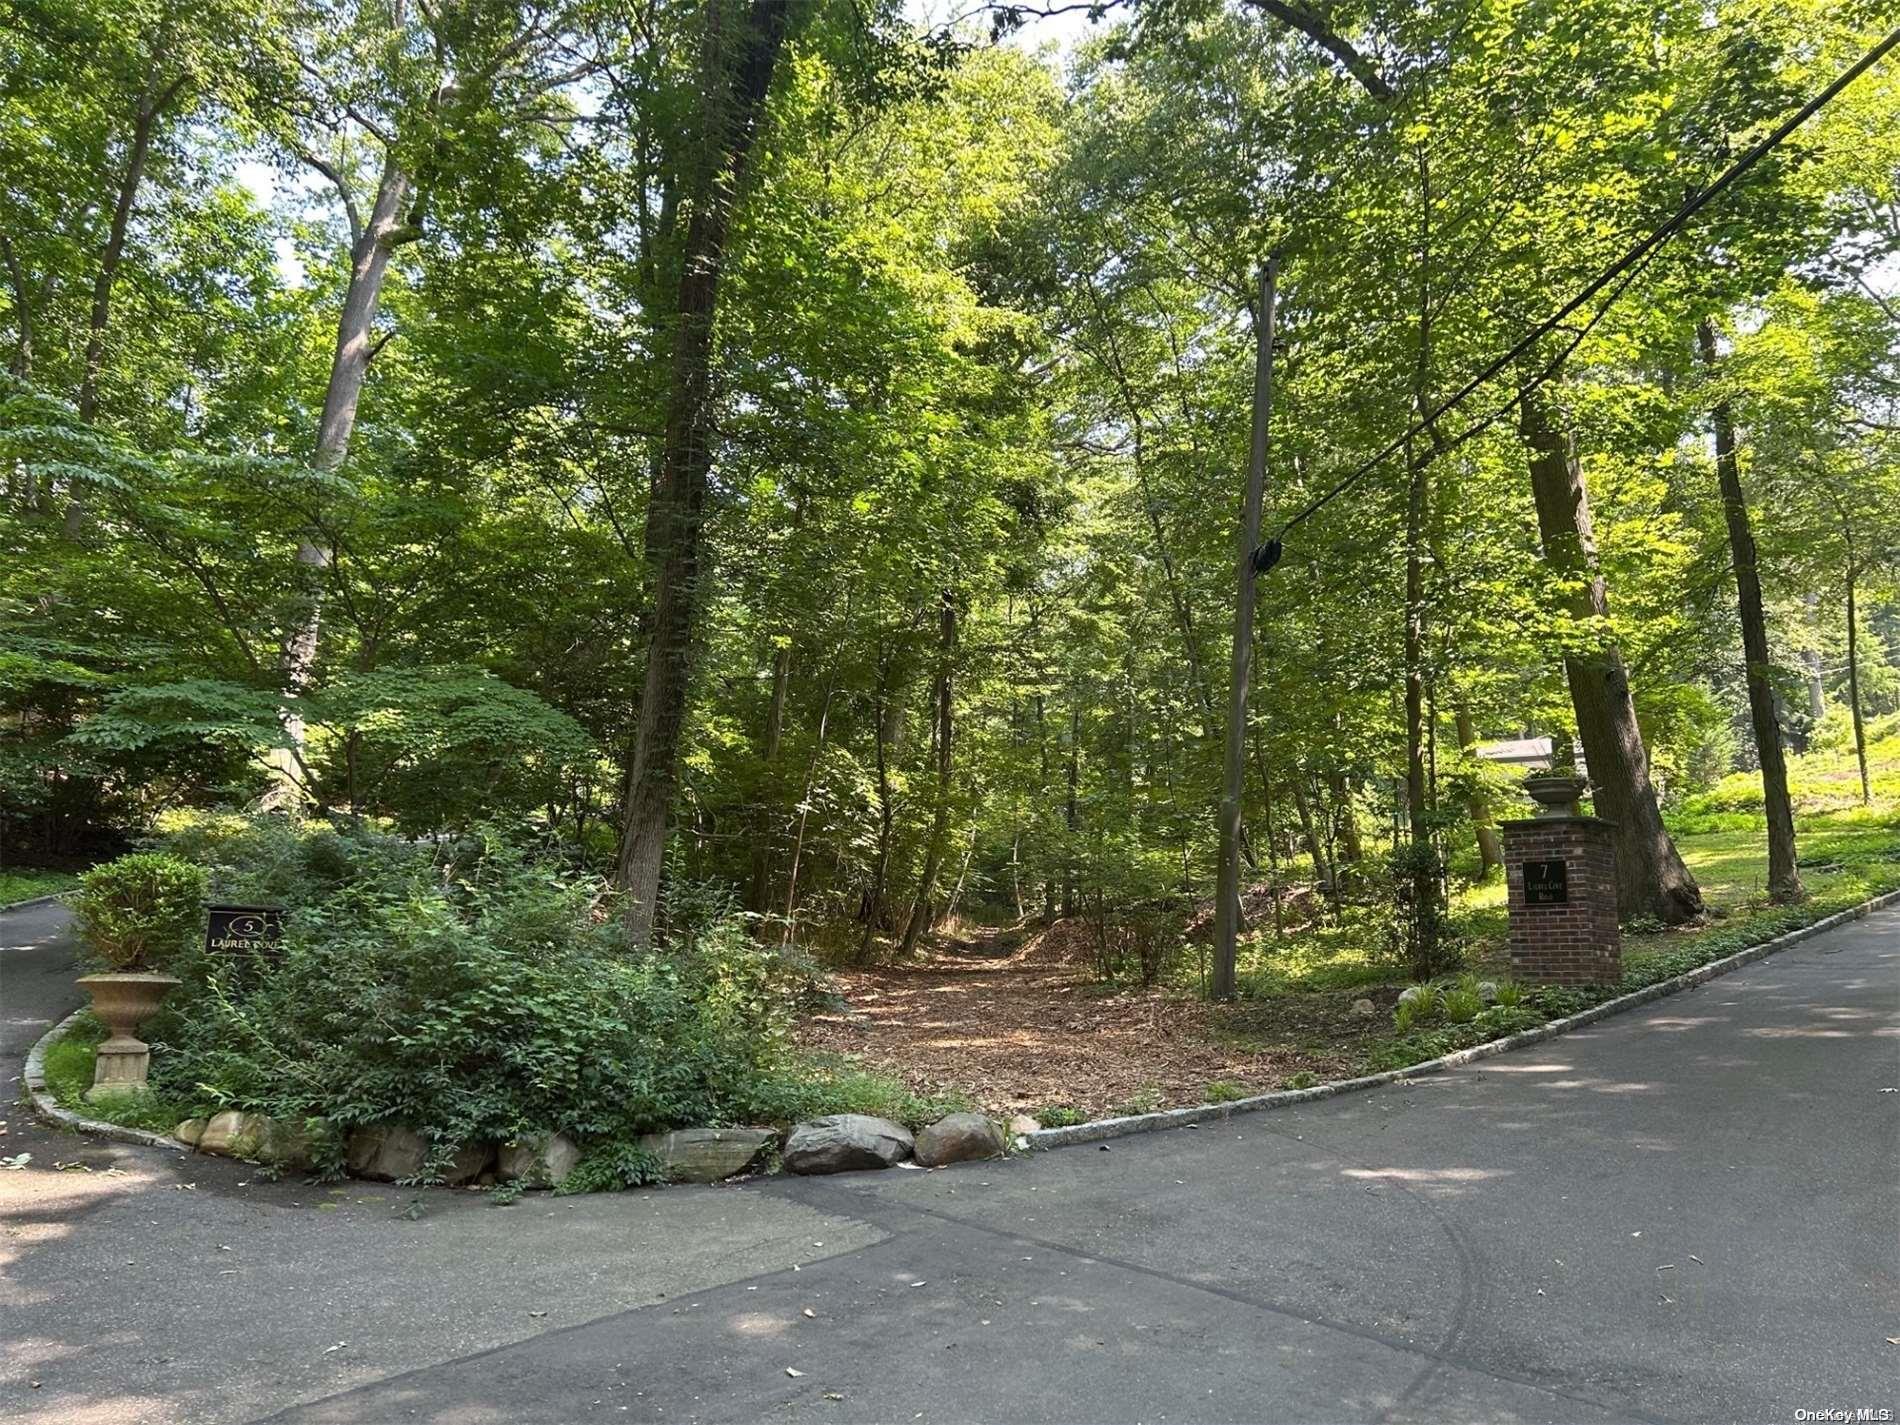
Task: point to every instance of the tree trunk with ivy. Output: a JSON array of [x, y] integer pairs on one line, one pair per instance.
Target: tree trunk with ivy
[[1651, 878], [736, 79]]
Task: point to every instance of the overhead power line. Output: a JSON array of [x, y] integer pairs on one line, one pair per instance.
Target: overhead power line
[[1625, 268]]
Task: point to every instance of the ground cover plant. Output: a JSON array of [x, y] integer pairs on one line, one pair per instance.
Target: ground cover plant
[[18, 885]]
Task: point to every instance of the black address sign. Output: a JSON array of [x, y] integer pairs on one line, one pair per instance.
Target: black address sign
[[245, 930], [1546, 883]]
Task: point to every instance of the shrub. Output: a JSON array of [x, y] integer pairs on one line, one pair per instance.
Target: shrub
[[138, 912], [475, 992], [1223, 1091]]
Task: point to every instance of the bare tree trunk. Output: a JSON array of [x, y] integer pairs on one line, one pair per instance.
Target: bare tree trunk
[[21, 364], [1042, 748], [1309, 833], [1227, 884], [370, 253], [737, 80], [1853, 687], [1784, 879], [758, 899], [138, 153], [1490, 852], [804, 813], [920, 913], [1351, 848], [1650, 876], [886, 815], [1423, 871], [1070, 818]]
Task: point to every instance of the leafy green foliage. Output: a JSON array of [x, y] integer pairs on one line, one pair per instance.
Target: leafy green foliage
[[69, 1070], [477, 992], [140, 911], [17, 885]]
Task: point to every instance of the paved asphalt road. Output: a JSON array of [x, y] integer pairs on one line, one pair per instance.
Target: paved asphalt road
[[1687, 1213]]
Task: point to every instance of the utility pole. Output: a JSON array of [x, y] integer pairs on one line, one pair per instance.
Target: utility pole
[[1227, 894]]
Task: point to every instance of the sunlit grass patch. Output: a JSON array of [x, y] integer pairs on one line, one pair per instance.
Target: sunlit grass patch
[[25, 885]]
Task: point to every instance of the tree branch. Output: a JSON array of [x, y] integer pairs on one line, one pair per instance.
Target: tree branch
[[1316, 29]]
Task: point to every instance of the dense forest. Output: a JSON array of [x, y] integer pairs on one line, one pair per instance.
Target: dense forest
[[789, 456]]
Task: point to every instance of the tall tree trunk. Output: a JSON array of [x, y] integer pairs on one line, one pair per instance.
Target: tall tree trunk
[[138, 153], [1650, 876], [758, 898], [804, 810], [1042, 751], [1227, 885], [22, 482], [21, 363], [920, 912], [1071, 812], [1784, 880], [873, 909], [1422, 868], [1309, 833], [370, 255], [1351, 848], [1853, 685], [737, 80], [1490, 853]]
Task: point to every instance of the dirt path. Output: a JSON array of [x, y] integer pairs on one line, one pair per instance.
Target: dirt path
[[1015, 1019]]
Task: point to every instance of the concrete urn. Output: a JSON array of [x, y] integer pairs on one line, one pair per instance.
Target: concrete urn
[[123, 1002]]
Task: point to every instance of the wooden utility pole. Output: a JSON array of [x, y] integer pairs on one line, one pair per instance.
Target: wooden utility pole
[[1227, 894]]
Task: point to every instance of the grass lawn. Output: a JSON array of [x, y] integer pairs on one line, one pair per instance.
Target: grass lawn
[[69, 1062], [26, 885]]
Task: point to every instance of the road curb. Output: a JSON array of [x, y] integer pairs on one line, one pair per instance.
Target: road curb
[[1104, 1128], [49, 1110], [28, 905]]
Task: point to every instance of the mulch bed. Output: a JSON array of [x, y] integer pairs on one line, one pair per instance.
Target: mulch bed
[[1016, 1020]]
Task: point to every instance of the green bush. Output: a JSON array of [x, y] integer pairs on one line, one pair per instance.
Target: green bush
[[138, 912], [1461, 1006], [1418, 1004], [476, 992]]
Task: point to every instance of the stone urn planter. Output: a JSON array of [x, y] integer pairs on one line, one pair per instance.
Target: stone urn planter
[[1556, 793], [123, 1002]]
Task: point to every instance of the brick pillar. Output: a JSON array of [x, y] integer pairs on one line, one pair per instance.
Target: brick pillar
[[1563, 923]]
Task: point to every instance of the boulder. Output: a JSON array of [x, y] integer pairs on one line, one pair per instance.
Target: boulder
[[1022, 1125], [1488, 991], [190, 1131], [388, 1152], [233, 1134], [291, 1142], [705, 1155], [537, 1162], [841, 1142], [1364, 1008], [957, 1139], [469, 1162]]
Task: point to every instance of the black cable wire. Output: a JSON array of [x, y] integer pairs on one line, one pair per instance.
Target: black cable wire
[[1626, 266]]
